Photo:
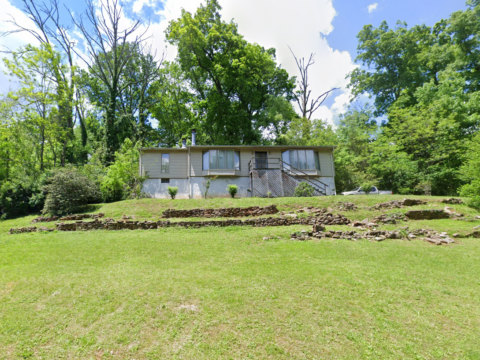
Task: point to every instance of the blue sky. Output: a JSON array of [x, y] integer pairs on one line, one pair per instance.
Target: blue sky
[[327, 28]]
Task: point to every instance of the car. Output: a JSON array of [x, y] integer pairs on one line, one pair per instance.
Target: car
[[374, 191]]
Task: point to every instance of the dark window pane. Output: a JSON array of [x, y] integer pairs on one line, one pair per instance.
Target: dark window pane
[[165, 181], [229, 159], [213, 159], [293, 158], [317, 161], [302, 160], [221, 159], [310, 160]]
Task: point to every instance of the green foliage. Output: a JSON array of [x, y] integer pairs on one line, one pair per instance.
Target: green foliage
[[367, 187], [122, 180], [474, 202], [206, 185], [68, 191], [20, 199], [304, 190], [172, 191], [233, 81], [470, 171], [232, 190]]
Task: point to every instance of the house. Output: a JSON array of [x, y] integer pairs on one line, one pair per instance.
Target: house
[[257, 170]]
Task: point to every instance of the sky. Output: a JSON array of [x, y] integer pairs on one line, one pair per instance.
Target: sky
[[327, 28]]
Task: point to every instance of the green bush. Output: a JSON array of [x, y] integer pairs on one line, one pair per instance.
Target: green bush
[[304, 190], [232, 190], [20, 199], [122, 180], [172, 190], [68, 191], [367, 187], [474, 202]]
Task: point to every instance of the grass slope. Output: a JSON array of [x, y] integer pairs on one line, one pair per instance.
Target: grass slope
[[226, 293]]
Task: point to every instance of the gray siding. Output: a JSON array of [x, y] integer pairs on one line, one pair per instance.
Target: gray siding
[[326, 164], [196, 163], [151, 165]]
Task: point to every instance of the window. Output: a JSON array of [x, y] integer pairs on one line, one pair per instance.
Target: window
[[165, 181], [301, 159], [165, 163], [221, 160]]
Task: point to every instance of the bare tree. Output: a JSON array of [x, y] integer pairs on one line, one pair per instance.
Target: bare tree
[[302, 96], [110, 50], [49, 30]]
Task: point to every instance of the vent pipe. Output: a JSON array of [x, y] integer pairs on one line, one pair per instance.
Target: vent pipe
[[194, 138], [184, 143]]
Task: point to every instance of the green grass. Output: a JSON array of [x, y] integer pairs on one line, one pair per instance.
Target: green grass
[[226, 293]]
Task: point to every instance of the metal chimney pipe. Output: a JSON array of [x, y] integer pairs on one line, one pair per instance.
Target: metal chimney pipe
[[194, 138], [184, 143]]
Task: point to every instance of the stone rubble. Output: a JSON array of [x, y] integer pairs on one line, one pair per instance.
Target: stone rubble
[[452, 201], [81, 217], [427, 214], [346, 206], [475, 234], [221, 212], [395, 204], [430, 236], [28, 229], [110, 224], [44, 219]]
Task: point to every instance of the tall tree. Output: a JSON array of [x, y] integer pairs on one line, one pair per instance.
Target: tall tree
[[50, 30], [111, 48], [231, 78]]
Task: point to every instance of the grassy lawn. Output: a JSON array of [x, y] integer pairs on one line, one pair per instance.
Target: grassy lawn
[[227, 293]]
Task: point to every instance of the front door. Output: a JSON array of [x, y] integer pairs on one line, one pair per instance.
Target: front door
[[261, 161]]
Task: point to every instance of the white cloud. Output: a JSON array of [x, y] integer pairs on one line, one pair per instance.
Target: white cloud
[[372, 7]]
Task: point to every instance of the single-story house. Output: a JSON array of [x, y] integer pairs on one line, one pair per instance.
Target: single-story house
[[272, 171]]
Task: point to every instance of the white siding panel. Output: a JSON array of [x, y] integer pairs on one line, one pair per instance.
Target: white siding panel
[[151, 165]]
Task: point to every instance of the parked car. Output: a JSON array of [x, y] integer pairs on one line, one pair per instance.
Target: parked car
[[374, 191]]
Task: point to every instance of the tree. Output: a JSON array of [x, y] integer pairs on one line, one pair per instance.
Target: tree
[[306, 104], [52, 33], [230, 77], [111, 49]]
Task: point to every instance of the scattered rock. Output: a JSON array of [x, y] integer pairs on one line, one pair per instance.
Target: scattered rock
[[81, 217], [45, 219], [452, 201], [412, 202], [347, 206]]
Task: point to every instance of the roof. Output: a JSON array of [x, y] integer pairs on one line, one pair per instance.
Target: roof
[[266, 147]]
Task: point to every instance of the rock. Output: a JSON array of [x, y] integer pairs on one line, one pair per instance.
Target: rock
[[221, 212], [412, 202], [411, 236], [426, 214], [434, 241], [318, 228], [293, 216], [452, 201], [266, 238]]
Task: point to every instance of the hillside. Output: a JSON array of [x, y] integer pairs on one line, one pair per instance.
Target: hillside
[[229, 293]]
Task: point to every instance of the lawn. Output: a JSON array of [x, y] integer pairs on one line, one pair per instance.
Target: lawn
[[227, 293]]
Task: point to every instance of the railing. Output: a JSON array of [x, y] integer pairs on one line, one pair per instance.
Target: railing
[[279, 164]]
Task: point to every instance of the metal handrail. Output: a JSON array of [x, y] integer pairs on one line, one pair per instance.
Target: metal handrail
[[281, 163]]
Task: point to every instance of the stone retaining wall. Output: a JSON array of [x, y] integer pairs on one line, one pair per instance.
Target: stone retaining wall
[[427, 214], [109, 224], [221, 212]]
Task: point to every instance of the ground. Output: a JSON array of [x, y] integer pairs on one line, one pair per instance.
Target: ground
[[227, 293]]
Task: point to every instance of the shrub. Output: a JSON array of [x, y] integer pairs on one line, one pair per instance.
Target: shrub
[[172, 190], [20, 199], [232, 190], [269, 194], [68, 191], [304, 190], [474, 202], [207, 184], [367, 187], [122, 180]]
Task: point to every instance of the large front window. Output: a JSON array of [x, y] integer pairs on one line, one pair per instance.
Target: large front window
[[221, 160], [301, 159]]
